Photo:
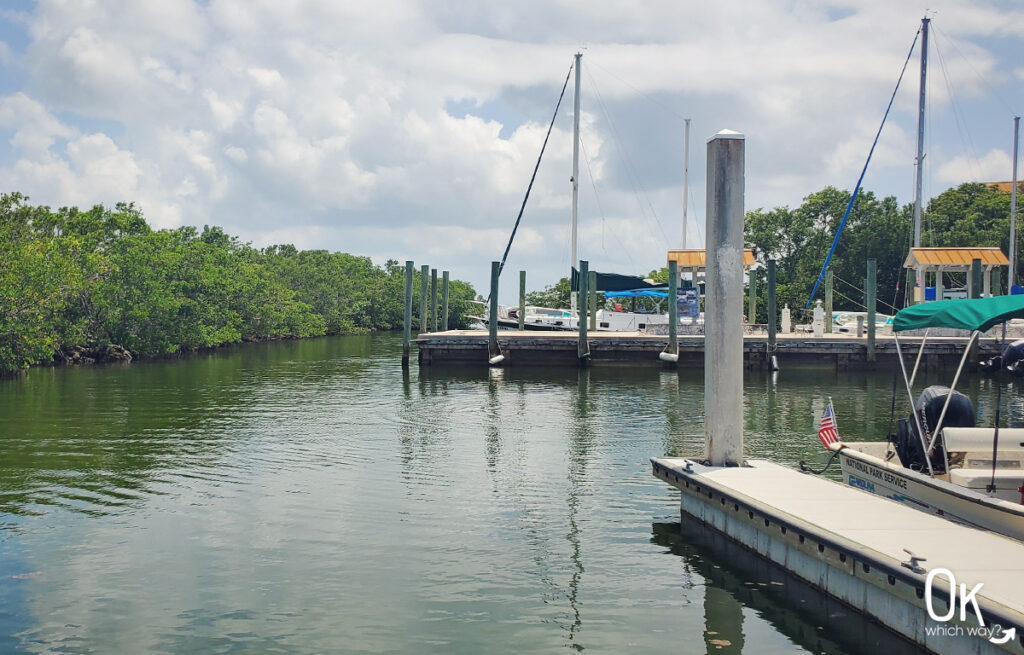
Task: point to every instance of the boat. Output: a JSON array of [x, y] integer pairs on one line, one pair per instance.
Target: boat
[[939, 461]]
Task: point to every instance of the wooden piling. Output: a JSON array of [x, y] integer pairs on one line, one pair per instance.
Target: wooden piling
[[582, 345], [592, 299], [828, 301], [424, 274], [492, 323], [673, 309], [407, 320], [444, 301], [433, 300], [752, 297], [771, 309], [870, 285], [522, 300], [975, 278]]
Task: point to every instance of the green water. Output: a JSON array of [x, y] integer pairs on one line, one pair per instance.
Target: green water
[[307, 497]]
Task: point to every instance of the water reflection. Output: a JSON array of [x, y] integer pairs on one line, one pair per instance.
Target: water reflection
[[300, 495], [737, 581]]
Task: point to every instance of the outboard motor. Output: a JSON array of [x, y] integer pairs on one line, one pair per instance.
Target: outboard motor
[[1011, 358], [928, 409]]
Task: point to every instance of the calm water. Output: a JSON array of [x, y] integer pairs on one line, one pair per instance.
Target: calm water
[[306, 497]]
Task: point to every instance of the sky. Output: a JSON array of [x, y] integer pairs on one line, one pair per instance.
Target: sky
[[409, 130]]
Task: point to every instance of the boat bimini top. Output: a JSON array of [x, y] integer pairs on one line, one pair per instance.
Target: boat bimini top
[[974, 314]]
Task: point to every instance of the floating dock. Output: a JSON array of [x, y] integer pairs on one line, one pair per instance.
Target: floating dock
[[853, 546], [560, 348]]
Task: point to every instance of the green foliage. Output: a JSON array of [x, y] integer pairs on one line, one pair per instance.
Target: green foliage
[[556, 295], [799, 240], [99, 277]]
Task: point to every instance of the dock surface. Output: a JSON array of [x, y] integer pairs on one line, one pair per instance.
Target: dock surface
[[851, 544], [843, 351]]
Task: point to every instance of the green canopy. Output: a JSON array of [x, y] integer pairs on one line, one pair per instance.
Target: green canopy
[[963, 314]]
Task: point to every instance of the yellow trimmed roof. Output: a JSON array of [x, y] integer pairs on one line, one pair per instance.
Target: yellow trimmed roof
[[696, 258], [959, 257]]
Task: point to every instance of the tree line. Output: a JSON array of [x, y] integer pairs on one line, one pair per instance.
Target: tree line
[[73, 280]]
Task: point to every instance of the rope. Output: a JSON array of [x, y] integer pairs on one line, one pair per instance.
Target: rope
[[533, 177], [808, 469], [856, 189]]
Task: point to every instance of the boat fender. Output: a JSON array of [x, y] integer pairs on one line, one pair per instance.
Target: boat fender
[[497, 359], [668, 357], [773, 364]]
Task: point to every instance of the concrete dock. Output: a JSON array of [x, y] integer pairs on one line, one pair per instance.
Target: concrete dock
[[532, 348], [852, 546]]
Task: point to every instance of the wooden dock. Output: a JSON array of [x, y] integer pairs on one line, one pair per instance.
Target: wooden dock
[[852, 546], [555, 348]]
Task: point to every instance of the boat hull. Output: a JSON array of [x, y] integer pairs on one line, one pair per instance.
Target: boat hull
[[893, 481]]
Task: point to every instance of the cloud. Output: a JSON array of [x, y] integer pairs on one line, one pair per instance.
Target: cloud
[[994, 166], [410, 129]]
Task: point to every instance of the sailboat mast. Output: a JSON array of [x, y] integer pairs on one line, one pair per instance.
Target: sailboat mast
[[575, 170], [686, 175], [920, 149], [1013, 207]]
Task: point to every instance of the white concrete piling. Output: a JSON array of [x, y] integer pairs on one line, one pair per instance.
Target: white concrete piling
[[723, 308]]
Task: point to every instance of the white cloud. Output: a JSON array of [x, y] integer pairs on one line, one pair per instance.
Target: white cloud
[[994, 166], [327, 123]]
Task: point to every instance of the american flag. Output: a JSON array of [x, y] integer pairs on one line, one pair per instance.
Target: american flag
[[828, 433]]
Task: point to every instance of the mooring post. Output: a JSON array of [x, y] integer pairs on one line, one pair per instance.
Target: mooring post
[[433, 300], [522, 300], [975, 278], [997, 282], [407, 320], [869, 301], [723, 349], [671, 353], [493, 354], [444, 301], [752, 297], [592, 302], [828, 301], [424, 274], [771, 308], [582, 346]]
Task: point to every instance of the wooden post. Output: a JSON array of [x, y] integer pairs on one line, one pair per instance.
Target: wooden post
[[592, 300], [673, 308], [444, 301], [828, 301], [869, 301], [433, 300], [582, 346], [723, 307], [986, 287], [752, 298], [997, 281], [975, 278], [522, 300], [424, 274], [492, 322], [407, 321], [771, 308], [909, 293]]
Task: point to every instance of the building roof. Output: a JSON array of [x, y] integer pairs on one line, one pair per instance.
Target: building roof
[[955, 257], [696, 258], [1005, 187]]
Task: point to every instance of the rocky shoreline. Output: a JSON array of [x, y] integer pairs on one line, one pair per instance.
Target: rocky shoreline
[[78, 355]]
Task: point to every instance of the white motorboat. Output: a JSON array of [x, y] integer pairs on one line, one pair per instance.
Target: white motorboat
[[938, 461]]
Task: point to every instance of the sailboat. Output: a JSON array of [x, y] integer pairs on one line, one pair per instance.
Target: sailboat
[[618, 319]]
